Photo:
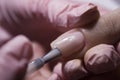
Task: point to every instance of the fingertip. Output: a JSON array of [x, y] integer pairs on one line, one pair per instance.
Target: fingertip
[[58, 69], [72, 14], [74, 69], [101, 58], [54, 76], [72, 65], [86, 20]]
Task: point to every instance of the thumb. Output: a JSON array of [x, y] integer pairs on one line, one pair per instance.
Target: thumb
[[14, 56]]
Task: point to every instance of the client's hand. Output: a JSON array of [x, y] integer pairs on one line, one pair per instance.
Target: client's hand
[[97, 51]]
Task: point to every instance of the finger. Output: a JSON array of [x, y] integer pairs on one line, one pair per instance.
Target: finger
[[57, 72], [101, 58], [74, 70], [68, 14], [54, 76], [14, 58]]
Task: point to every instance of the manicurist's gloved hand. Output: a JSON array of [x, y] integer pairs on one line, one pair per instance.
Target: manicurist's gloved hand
[[95, 50], [14, 57]]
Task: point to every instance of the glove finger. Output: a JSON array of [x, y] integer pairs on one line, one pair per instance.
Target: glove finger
[[67, 14]]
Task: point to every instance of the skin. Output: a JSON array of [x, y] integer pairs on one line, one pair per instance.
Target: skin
[[97, 57], [24, 17]]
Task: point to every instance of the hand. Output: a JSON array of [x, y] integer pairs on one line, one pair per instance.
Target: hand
[[99, 47], [29, 18], [14, 57]]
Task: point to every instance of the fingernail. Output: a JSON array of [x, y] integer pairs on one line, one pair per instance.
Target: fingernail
[[69, 42]]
